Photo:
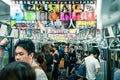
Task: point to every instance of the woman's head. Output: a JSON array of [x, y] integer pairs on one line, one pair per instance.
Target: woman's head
[[17, 71], [40, 57]]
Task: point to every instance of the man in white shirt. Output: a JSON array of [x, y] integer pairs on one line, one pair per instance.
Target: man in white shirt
[[92, 64]]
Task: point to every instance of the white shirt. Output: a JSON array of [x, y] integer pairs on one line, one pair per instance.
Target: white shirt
[[91, 64], [40, 74]]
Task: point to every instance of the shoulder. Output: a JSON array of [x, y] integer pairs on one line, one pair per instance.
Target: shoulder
[[40, 74], [88, 57], [117, 71]]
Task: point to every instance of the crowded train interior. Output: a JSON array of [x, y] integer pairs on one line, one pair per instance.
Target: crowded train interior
[[73, 39]]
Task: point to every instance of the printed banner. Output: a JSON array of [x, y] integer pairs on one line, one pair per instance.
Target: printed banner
[[53, 14]]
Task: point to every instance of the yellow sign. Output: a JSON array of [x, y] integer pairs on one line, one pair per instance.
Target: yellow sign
[[84, 23]]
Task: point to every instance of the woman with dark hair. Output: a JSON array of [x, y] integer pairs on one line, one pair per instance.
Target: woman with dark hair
[[17, 71], [49, 59], [40, 59]]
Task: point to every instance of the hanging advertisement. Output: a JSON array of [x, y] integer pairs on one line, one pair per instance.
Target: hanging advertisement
[[53, 14]]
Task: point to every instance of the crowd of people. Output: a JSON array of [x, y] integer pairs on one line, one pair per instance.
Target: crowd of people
[[51, 62]]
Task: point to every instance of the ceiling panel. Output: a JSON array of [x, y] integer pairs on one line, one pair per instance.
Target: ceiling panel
[[4, 11]]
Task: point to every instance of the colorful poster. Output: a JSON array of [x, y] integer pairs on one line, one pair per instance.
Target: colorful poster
[[77, 11], [65, 12], [17, 12], [53, 14]]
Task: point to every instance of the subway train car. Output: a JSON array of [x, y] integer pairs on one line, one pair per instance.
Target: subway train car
[[70, 29]]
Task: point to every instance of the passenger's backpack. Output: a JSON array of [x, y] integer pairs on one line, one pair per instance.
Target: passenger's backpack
[[80, 69]]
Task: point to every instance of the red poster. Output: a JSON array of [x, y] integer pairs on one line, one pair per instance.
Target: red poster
[[89, 16]]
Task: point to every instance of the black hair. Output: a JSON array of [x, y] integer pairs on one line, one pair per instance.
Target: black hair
[[26, 44], [41, 6], [53, 5], [52, 50], [94, 50], [45, 48], [76, 6], [55, 46], [28, 5], [72, 47], [17, 71], [74, 60], [40, 58], [65, 8]]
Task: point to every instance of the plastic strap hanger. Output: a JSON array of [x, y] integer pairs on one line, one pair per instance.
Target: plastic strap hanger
[[115, 43], [103, 43]]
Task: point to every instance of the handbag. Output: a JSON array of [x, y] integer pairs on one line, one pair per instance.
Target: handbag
[[61, 63]]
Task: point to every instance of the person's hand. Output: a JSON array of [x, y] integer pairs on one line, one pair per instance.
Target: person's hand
[[54, 61], [4, 42]]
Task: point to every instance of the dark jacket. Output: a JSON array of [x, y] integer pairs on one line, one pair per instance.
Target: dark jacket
[[49, 61]]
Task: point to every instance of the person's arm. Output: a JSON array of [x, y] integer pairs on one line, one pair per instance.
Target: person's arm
[[97, 66], [80, 76], [72, 70], [1, 57], [1, 51], [97, 70], [2, 46]]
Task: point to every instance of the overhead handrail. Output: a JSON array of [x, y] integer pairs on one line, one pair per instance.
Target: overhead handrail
[[103, 42], [115, 43]]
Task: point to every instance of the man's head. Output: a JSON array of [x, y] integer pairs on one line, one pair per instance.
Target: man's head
[[94, 51], [72, 47], [24, 50]]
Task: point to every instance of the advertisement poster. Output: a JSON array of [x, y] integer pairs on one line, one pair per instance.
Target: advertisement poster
[[53, 14]]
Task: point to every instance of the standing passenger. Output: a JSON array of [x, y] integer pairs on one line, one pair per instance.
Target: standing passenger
[[40, 59], [55, 64], [67, 60], [72, 54], [92, 64], [24, 51], [49, 60]]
